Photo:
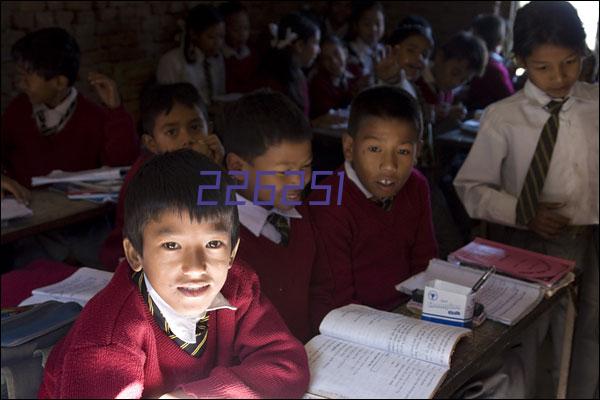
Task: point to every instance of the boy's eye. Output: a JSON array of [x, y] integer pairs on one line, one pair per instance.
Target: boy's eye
[[171, 246], [404, 152], [171, 132], [373, 149], [214, 244]]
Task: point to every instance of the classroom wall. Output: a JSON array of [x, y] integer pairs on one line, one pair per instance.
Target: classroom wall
[[125, 39]]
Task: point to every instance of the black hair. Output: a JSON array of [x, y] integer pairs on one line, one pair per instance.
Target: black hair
[[157, 99], [403, 32], [260, 120], [231, 8], [547, 22], [466, 46], [199, 19], [388, 102], [360, 7], [49, 52], [278, 63], [491, 28], [413, 19], [170, 182]]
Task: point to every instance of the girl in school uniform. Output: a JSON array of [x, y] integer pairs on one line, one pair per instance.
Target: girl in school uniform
[[198, 60]]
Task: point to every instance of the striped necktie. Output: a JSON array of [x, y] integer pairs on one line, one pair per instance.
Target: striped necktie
[[281, 224], [193, 349], [386, 203], [534, 181], [208, 78]]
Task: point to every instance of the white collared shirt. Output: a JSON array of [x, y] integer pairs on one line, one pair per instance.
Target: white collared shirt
[[184, 327], [254, 218], [229, 52], [173, 68], [491, 179], [366, 54], [54, 115], [351, 174]]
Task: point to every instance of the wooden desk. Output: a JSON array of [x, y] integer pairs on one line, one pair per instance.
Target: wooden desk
[[51, 210], [455, 138], [488, 340]]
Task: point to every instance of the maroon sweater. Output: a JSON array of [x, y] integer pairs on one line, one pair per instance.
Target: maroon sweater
[[324, 96], [112, 248], [239, 74], [116, 349], [93, 136], [494, 85], [294, 277], [369, 249]]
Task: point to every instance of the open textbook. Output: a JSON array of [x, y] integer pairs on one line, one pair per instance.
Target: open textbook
[[504, 299], [366, 353], [79, 287], [90, 175]]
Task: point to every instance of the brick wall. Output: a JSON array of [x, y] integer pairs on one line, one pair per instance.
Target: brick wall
[[124, 39]]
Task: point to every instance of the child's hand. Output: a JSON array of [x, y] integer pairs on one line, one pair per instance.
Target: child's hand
[[106, 88], [211, 147], [547, 222], [22, 194], [457, 111], [388, 69]]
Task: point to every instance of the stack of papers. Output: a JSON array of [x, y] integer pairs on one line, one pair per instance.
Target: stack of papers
[[90, 175], [11, 208]]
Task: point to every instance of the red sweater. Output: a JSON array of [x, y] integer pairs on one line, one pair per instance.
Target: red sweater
[[293, 277], [239, 74], [369, 249], [432, 97], [324, 96], [112, 248], [93, 136], [116, 349], [494, 85]]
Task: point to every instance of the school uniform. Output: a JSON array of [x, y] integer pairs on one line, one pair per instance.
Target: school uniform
[[82, 135], [494, 85], [492, 178], [363, 58], [240, 69], [429, 91], [370, 249], [327, 93], [118, 347], [207, 74], [293, 276], [112, 248]]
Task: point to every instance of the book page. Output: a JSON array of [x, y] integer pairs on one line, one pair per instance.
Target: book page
[[98, 174], [342, 369], [393, 332], [505, 299], [11, 208], [79, 287]]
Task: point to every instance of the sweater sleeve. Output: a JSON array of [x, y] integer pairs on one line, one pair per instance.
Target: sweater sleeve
[[120, 139], [425, 247], [100, 372], [272, 363]]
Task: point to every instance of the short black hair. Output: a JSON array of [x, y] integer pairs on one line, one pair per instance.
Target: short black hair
[[170, 182], [49, 52], [157, 99], [389, 102], [547, 22], [231, 8], [260, 120], [491, 28], [466, 46], [198, 20], [403, 32], [413, 19]]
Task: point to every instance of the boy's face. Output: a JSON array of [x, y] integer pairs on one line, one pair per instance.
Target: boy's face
[[211, 40], [553, 69], [371, 26], [413, 54], [308, 50], [286, 156], [185, 261], [238, 29], [183, 127], [451, 73], [37, 88], [382, 153], [333, 59]]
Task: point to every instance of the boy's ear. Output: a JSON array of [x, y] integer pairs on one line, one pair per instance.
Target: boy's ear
[[234, 252], [133, 257], [234, 162], [149, 143], [61, 82], [348, 146]]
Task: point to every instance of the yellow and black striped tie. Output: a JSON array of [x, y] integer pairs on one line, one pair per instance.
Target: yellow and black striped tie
[[534, 181], [283, 227]]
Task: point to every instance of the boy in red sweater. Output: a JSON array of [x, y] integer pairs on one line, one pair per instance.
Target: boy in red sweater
[[179, 318], [173, 117], [268, 144], [52, 126], [382, 232]]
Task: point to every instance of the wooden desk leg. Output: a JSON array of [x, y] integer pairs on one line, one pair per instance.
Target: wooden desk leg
[[565, 360]]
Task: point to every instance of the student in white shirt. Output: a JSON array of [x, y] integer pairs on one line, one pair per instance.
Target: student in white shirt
[[554, 212], [198, 60]]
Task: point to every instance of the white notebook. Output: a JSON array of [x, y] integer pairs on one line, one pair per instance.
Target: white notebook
[[79, 287], [367, 353], [504, 299], [11, 208], [90, 175]]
